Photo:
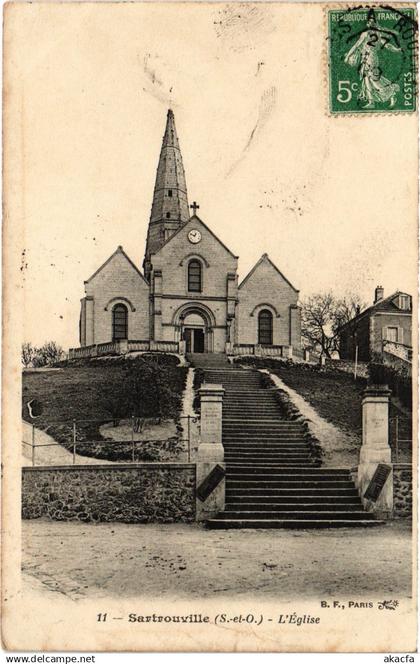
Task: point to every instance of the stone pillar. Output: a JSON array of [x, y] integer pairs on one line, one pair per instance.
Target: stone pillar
[[306, 355], [288, 352], [294, 326], [90, 335], [210, 451], [123, 346], [375, 447], [157, 305]]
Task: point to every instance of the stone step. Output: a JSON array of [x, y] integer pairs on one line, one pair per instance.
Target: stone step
[[272, 435], [292, 502], [234, 459], [262, 425], [333, 514], [251, 407], [303, 463], [283, 475], [287, 484], [253, 413], [253, 404], [246, 493], [278, 462], [259, 433], [265, 448], [257, 441], [251, 419], [247, 459], [290, 523], [263, 468], [248, 392]]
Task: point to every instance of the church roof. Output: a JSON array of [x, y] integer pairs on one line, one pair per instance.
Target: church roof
[[195, 217], [170, 176], [119, 250], [170, 199], [267, 259]]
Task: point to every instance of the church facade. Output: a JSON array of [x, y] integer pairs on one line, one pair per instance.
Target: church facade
[[187, 297]]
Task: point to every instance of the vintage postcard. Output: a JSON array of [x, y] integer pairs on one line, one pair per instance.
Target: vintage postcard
[[210, 326]]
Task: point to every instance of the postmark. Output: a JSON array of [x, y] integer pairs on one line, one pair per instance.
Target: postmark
[[372, 59]]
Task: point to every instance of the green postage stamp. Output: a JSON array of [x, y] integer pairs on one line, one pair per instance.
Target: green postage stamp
[[372, 55]]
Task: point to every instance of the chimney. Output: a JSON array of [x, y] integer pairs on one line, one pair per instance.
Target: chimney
[[379, 294]]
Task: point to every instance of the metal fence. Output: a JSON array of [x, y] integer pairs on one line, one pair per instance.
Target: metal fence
[[75, 428], [400, 437]]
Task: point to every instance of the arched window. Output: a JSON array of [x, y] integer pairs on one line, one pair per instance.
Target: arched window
[[194, 276], [119, 322], [265, 327]]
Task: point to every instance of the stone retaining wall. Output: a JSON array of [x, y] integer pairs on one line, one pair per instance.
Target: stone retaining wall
[[135, 493], [403, 489]]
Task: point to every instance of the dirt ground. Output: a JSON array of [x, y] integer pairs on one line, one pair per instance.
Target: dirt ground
[[187, 561]]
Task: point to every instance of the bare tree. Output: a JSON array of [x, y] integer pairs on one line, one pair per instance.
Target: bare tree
[[318, 321], [49, 353], [347, 308], [322, 317], [28, 353]]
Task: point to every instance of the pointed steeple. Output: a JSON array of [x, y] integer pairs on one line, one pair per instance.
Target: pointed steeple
[[170, 202]]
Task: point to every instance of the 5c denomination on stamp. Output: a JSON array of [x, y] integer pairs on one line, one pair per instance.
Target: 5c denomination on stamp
[[372, 55]]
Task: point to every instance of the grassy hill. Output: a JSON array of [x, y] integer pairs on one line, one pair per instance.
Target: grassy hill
[[96, 391]]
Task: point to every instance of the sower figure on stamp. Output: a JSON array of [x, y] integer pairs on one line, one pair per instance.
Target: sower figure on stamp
[[364, 54]]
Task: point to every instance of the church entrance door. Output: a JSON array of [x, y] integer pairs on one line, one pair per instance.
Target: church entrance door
[[194, 340]]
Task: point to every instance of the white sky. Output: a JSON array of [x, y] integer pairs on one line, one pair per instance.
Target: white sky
[[332, 200]]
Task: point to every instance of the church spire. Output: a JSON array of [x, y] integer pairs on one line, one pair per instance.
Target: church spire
[[170, 201]]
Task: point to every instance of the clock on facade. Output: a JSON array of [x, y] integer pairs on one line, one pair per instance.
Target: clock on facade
[[194, 236]]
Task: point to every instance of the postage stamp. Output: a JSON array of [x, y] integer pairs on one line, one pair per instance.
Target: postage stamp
[[372, 59]]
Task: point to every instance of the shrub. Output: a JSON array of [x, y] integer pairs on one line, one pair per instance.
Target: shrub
[[397, 380], [46, 355]]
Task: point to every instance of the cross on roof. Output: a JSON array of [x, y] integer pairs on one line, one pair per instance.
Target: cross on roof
[[194, 207]]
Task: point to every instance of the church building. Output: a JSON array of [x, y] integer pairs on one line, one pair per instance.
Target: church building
[[187, 297]]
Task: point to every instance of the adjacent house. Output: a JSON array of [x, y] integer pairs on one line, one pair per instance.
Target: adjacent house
[[384, 328]]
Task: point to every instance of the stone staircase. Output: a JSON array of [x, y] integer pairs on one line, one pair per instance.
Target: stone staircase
[[271, 481], [208, 360]]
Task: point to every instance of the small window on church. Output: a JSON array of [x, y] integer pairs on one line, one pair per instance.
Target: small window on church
[[168, 215], [170, 193], [119, 322], [194, 276], [265, 328]]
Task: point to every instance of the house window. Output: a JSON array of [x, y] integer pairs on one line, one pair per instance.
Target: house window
[[194, 276], [265, 328], [119, 322], [392, 334], [168, 215], [404, 302], [170, 193]]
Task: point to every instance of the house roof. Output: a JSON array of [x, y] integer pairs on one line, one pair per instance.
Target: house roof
[[194, 217], [387, 304], [267, 259], [119, 250]]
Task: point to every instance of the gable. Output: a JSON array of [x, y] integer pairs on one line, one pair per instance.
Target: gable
[[264, 272], [179, 244], [118, 270]]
